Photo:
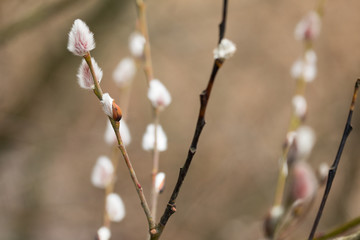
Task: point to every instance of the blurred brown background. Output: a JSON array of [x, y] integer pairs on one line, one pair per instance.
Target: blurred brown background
[[51, 131]]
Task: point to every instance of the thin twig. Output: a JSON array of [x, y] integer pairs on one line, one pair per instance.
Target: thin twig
[[144, 204], [341, 229], [355, 236], [116, 126], [144, 31], [204, 98], [332, 170], [155, 170], [149, 74]]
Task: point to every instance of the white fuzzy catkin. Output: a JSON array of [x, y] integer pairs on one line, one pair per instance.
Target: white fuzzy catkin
[[160, 182], [158, 95], [115, 207], [309, 27], [305, 140], [84, 76], [137, 44], [149, 137], [81, 40], [102, 172], [299, 105], [305, 67], [110, 137], [124, 72], [107, 102], [225, 49], [104, 233]]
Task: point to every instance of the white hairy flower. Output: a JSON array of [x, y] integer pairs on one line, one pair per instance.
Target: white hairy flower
[[137, 44], [115, 207], [160, 182], [158, 94], [107, 104], [299, 105], [84, 76], [81, 40], [104, 233], [309, 27], [110, 137], [149, 137], [305, 67], [225, 49], [102, 172], [124, 72], [305, 140]]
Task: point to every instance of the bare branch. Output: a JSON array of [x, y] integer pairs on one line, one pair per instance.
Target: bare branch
[[204, 98], [335, 164]]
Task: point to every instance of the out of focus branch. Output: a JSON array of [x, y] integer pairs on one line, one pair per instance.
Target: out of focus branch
[[336, 162]]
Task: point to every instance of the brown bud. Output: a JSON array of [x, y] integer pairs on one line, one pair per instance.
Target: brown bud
[[117, 114], [272, 220]]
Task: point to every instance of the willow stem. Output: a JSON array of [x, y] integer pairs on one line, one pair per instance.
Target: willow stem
[[136, 182], [148, 69], [97, 90], [155, 170], [340, 229]]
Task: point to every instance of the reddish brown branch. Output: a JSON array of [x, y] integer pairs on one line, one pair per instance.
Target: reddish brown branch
[[204, 99]]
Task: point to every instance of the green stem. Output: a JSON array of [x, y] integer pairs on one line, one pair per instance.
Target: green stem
[[97, 90], [341, 229], [155, 170]]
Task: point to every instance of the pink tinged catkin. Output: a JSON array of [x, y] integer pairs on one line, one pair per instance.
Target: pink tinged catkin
[[309, 27], [158, 95], [102, 172], [305, 184], [115, 207], [81, 40], [84, 76]]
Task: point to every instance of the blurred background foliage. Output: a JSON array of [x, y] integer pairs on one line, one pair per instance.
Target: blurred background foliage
[[51, 131]]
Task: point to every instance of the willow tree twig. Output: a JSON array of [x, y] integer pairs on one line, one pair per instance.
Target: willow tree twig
[[355, 236], [149, 75], [340, 229], [116, 126], [204, 99], [332, 170]]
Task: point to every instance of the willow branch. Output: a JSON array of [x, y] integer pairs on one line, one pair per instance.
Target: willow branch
[[116, 125], [204, 99], [332, 170], [141, 7], [355, 236], [139, 189], [341, 229]]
